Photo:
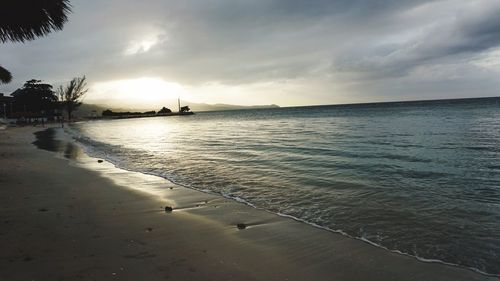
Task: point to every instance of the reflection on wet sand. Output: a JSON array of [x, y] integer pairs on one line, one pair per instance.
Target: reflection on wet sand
[[47, 140]]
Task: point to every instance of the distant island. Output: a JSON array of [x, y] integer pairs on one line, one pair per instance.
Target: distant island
[[87, 110], [221, 106], [108, 113]]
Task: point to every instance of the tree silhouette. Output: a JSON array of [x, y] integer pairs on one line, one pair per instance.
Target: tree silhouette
[[107, 112], [34, 97], [71, 95], [24, 20], [164, 110]]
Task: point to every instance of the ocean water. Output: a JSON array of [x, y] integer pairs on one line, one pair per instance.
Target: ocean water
[[420, 178]]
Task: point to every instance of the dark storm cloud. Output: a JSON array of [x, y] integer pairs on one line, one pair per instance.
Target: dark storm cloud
[[464, 36], [480, 32]]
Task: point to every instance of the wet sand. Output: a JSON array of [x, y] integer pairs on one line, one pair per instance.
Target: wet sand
[[64, 216]]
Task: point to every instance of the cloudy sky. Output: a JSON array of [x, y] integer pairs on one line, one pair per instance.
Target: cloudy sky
[[286, 52]]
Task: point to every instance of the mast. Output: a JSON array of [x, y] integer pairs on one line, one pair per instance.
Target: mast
[[179, 103]]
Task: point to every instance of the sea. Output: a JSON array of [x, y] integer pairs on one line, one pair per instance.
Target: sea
[[418, 178]]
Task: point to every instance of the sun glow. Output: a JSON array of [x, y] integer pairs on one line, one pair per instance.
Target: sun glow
[[144, 43], [144, 92], [137, 47]]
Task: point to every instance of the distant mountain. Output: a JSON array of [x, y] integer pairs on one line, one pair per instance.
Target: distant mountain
[[87, 110], [220, 106]]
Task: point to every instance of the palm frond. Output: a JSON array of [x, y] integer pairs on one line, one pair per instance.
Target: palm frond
[[5, 76], [23, 20]]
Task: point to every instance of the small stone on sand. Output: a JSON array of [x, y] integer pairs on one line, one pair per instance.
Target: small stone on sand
[[241, 226], [100, 161]]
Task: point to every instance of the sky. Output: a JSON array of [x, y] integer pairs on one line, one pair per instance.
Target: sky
[[285, 52]]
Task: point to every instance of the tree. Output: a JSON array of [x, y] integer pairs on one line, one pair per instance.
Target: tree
[[34, 97], [71, 96], [108, 112], [24, 20], [164, 110]]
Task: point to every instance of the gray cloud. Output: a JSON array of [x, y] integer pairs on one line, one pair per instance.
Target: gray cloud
[[449, 41], [365, 43]]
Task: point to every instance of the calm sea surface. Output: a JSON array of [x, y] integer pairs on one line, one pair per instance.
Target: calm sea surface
[[420, 178]]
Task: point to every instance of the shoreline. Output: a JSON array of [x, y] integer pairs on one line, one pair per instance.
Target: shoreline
[[87, 151], [272, 247]]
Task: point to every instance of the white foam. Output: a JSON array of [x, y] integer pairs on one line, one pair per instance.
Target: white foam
[[88, 147]]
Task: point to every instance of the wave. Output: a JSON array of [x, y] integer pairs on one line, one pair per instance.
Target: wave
[[363, 239], [99, 149]]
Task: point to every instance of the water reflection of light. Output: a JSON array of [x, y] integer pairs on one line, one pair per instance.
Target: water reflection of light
[[155, 129], [139, 131]]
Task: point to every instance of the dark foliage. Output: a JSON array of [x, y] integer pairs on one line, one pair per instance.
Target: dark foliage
[[35, 98], [22, 20], [107, 112], [110, 113], [5, 76], [71, 95], [164, 110]]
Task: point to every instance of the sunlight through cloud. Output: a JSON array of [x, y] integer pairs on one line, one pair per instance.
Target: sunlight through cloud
[[143, 45], [143, 92]]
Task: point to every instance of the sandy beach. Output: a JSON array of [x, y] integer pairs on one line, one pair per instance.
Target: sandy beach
[[64, 216]]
